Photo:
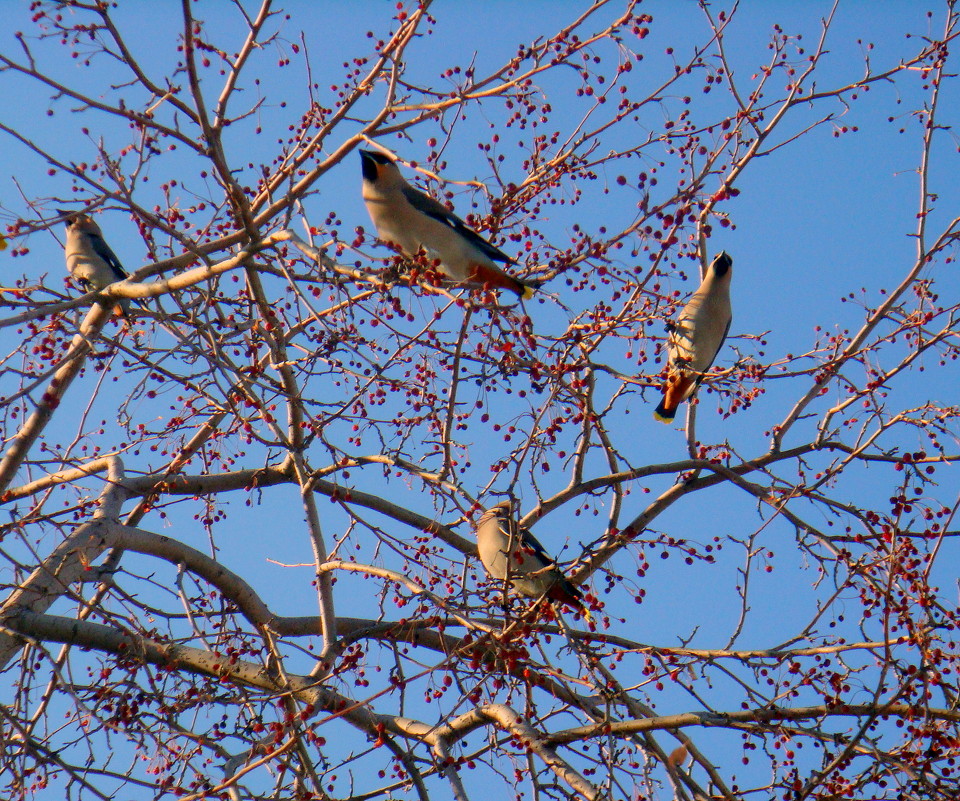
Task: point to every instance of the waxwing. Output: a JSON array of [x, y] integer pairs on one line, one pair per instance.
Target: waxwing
[[509, 551], [412, 220], [696, 337], [89, 258]]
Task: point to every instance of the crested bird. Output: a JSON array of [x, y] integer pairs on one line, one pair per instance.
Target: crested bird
[[696, 337], [89, 258], [510, 552], [411, 220]]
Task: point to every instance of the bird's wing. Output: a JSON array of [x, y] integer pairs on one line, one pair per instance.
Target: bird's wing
[[531, 543], [102, 249], [680, 341], [722, 340], [716, 353], [425, 204]]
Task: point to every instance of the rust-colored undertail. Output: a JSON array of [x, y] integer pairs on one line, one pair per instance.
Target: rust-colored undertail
[[484, 274], [674, 393], [566, 593]]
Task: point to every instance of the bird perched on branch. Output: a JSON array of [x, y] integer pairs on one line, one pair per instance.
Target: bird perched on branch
[[89, 258], [411, 220], [511, 552], [696, 337]]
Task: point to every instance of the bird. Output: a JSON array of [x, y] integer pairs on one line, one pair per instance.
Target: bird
[[697, 336], [410, 220], [509, 551], [89, 258]]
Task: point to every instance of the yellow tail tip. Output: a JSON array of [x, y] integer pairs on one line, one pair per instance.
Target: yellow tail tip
[[528, 292], [662, 417]]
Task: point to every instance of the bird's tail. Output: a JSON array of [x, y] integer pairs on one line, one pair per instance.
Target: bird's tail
[[526, 291], [485, 274], [663, 413], [566, 593], [679, 387]]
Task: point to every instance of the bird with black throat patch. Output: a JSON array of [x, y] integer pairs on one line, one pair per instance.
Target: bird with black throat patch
[[412, 221], [511, 553], [90, 259], [696, 337]]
